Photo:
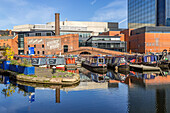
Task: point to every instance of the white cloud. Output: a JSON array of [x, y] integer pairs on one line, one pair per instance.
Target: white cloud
[[115, 11], [16, 2], [26, 14], [93, 2]]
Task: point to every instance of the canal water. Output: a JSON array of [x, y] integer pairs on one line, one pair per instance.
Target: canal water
[[112, 92]]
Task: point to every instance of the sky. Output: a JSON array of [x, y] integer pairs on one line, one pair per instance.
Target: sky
[[19, 12]]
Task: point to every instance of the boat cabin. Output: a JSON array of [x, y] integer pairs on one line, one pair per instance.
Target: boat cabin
[[98, 61], [117, 60]]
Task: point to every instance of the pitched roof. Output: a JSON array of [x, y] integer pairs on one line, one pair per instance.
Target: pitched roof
[[6, 37]]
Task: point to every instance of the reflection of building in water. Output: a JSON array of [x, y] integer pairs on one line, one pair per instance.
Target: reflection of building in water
[[149, 100], [88, 86], [4, 79], [31, 97], [30, 90], [153, 97]]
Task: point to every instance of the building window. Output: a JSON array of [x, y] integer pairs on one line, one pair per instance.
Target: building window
[[34, 52], [4, 44], [43, 46], [34, 46], [38, 52], [48, 34], [27, 52], [37, 34], [65, 48], [28, 45], [43, 52]]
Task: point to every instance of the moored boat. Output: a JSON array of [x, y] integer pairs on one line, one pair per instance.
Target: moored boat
[[95, 64], [118, 63]]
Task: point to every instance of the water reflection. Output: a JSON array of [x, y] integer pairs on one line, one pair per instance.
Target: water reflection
[[132, 92], [27, 89]]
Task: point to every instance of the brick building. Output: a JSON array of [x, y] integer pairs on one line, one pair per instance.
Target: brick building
[[114, 33], [50, 45], [10, 41], [148, 39], [126, 34], [6, 33]]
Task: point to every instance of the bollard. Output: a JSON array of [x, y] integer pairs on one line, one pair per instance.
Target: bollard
[[53, 69]]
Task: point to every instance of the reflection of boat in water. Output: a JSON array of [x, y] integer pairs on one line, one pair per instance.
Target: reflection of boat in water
[[95, 64], [101, 78], [118, 63], [148, 75], [116, 75]]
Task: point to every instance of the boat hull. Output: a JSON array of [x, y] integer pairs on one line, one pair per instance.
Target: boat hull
[[162, 66], [120, 68], [143, 68], [97, 69]]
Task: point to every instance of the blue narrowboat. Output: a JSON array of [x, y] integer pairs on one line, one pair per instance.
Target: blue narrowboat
[[96, 64], [156, 60], [117, 63]]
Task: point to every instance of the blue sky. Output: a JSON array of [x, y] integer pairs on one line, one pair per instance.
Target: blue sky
[[18, 12]]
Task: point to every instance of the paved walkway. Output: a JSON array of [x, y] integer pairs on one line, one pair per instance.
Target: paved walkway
[[46, 72]]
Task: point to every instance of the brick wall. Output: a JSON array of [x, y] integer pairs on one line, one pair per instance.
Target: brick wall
[[13, 43], [51, 44], [114, 33], [149, 42]]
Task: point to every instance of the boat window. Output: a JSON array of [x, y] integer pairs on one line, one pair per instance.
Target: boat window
[[101, 60], [107, 60], [122, 60], [94, 60], [110, 61], [116, 60]]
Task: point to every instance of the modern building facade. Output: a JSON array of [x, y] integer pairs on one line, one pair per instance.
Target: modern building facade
[[107, 42], [148, 13], [84, 29]]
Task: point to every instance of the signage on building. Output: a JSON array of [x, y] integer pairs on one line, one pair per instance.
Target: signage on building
[[53, 44], [31, 50], [35, 41]]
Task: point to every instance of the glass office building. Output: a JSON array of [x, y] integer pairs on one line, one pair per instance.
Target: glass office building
[[148, 13]]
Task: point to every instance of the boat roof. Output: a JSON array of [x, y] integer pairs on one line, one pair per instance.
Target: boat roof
[[98, 57]]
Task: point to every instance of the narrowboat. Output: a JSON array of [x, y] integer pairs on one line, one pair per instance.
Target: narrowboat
[[96, 64], [156, 60], [58, 62], [118, 63]]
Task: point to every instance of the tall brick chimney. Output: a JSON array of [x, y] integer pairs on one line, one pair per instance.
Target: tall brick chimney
[[57, 24], [10, 32]]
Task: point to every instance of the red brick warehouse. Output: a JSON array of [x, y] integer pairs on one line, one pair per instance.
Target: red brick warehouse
[[148, 39], [50, 45]]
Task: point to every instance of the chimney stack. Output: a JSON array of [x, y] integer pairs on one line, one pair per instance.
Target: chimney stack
[[57, 24], [10, 32]]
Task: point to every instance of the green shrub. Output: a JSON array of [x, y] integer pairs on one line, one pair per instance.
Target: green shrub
[[54, 76], [14, 62]]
